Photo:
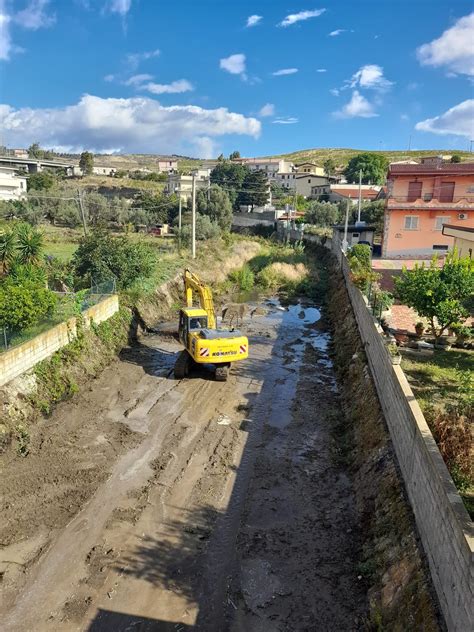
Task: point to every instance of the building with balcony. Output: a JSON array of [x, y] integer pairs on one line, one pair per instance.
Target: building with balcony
[[420, 200], [183, 184], [12, 186], [271, 166]]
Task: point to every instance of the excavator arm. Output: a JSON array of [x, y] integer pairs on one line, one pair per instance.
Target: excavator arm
[[193, 283]]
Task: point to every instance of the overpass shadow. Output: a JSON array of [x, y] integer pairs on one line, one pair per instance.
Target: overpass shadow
[[110, 621]]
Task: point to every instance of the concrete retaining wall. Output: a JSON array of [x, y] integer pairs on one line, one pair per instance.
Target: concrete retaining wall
[[19, 359], [446, 532]]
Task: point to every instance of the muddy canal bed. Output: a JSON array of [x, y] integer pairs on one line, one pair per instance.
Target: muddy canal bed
[[189, 505]]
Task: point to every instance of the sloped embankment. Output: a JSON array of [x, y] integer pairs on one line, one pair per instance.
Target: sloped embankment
[[400, 593]]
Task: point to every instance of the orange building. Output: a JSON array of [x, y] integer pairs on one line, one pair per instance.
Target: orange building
[[420, 199]]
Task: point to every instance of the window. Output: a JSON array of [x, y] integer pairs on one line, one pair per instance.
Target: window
[[439, 221], [411, 222], [414, 191], [440, 247], [309, 180], [446, 193]]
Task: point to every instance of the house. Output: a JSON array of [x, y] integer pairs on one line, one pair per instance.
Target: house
[[305, 183], [420, 199], [346, 192], [463, 238], [310, 167], [286, 179], [271, 166], [100, 170], [12, 186], [355, 233], [20, 153], [166, 165], [183, 184]]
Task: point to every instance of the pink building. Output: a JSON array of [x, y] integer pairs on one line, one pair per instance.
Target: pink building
[[420, 199]]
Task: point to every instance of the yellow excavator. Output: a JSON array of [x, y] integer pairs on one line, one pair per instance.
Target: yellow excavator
[[203, 342]]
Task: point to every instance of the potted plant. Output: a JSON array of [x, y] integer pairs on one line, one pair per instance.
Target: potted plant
[[463, 334], [394, 353], [419, 328]]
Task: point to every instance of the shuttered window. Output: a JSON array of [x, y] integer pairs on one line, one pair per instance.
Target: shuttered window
[[414, 191]]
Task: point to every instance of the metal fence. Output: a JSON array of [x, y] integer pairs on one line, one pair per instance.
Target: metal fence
[[69, 304]]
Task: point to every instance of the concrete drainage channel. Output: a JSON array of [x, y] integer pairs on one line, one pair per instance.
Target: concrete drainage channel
[[223, 510]]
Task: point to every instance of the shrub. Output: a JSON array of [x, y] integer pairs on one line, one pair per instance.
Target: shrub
[[205, 229], [101, 257], [24, 305], [244, 278]]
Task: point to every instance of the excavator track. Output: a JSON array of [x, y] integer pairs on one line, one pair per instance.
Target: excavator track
[[222, 372], [183, 365]]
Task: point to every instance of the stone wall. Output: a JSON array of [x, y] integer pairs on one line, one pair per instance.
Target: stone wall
[[446, 531], [19, 359]]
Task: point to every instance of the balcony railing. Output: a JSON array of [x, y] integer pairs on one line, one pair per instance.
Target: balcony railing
[[428, 200]]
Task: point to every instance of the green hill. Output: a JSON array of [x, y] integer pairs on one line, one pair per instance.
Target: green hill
[[342, 156]]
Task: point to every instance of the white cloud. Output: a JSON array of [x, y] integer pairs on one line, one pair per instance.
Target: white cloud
[[122, 7], [284, 71], [404, 117], [454, 49], [358, 107], [253, 20], [135, 80], [109, 78], [235, 64], [133, 125], [34, 17], [5, 38], [175, 87], [335, 92], [289, 120], [458, 120], [293, 18], [135, 59], [321, 70], [337, 32], [267, 110], [369, 77]]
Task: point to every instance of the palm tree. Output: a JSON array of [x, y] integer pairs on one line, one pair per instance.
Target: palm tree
[[7, 249], [30, 244]]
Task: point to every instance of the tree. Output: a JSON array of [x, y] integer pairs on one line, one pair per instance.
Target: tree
[[455, 158], [322, 214], [101, 257], [86, 163], [216, 204], [24, 305], [230, 176], [35, 151], [158, 208], [7, 249], [373, 166], [372, 213], [42, 181], [254, 189], [205, 228], [329, 167], [438, 294], [30, 243], [234, 155]]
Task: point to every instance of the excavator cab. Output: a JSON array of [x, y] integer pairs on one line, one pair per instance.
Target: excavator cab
[[203, 342]]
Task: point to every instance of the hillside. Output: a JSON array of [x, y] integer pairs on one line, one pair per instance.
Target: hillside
[[342, 155], [318, 155]]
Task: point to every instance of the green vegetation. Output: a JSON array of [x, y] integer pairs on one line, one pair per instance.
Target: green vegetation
[[444, 387], [254, 191], [86, 163], [215, 204], [42, 181], [244, 278], [101, 257], [230, 176], [438, 294], [373, 167]]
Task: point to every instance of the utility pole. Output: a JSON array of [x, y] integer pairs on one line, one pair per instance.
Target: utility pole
[[360, 196], [346, 224], [81, 208], [409, 143], [470, 145], [194, 218]]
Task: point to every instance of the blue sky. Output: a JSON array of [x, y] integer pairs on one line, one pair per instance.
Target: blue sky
[[262, 76]]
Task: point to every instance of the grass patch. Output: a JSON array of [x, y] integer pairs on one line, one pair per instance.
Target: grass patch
[[435, 379]]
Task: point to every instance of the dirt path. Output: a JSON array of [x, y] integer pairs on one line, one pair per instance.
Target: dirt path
[[153, 504]]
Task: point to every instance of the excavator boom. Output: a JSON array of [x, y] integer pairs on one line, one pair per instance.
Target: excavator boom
[[193, 284]]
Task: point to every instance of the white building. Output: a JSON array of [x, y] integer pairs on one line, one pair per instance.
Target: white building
[[306, 182], [183, 184], [12, 187], [271, 166], [99, 170], [310, 167]]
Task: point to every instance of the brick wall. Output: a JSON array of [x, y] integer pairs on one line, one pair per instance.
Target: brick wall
[[19, 359], [446, 532]]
